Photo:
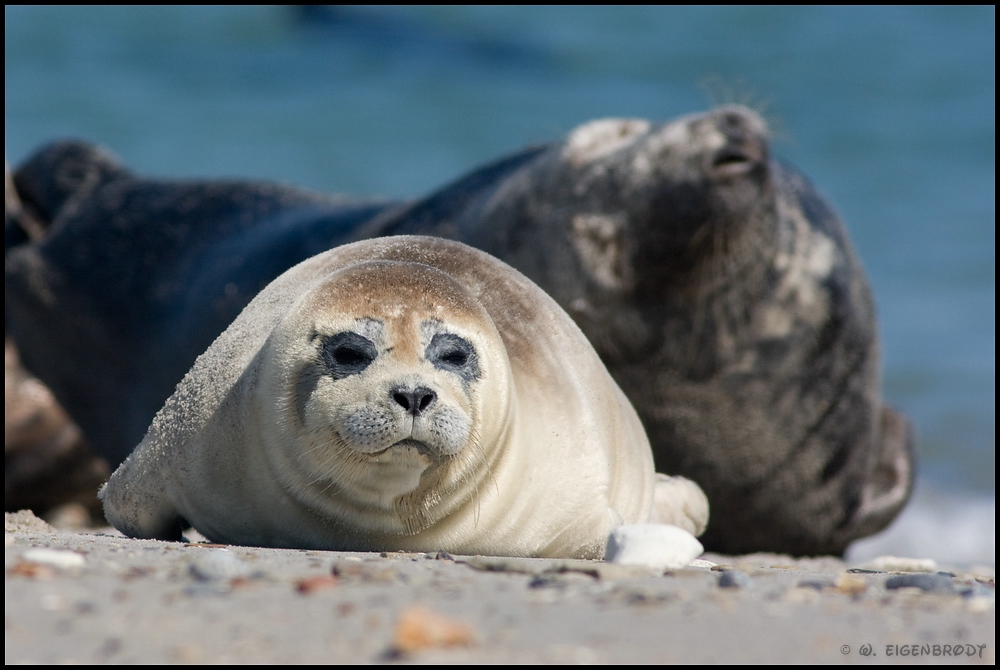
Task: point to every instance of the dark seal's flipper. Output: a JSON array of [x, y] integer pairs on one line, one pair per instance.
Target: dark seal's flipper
[[890, 484]]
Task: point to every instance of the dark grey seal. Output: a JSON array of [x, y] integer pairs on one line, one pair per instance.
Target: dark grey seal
[[718, 287], [723, 295]]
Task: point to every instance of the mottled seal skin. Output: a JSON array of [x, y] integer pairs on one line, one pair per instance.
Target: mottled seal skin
[[723, 295], [409, 393], [130, 279]]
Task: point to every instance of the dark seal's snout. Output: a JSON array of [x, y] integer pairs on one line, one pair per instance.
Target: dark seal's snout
[[746, 141]]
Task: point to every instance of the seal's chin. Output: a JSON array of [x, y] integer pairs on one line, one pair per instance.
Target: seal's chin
[[393, 472]]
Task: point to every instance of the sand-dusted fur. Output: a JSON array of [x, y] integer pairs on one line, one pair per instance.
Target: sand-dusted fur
[[407, 393]]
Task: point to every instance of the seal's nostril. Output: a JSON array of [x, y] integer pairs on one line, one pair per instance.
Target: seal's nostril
[[402, 400], [426, 400], [734, 120]]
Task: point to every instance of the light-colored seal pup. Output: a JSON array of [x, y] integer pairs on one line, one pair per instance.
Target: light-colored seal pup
[[399, 394]]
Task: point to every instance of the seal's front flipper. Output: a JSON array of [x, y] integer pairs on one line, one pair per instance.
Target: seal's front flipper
[[680, 502], [136, 503], [890, 484]]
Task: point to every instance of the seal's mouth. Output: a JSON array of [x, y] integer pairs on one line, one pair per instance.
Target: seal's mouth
[[738, 158], [409, 443]]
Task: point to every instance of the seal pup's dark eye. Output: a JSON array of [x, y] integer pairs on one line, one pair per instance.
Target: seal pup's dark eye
[[347, 354], [456, 358], [454, 354]]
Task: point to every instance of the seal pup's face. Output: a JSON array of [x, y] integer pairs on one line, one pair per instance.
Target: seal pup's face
[[383, 379]]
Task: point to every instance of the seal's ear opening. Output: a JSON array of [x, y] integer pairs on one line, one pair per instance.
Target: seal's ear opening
[[889, 487], [20, 225], [64, 172], [50, 182]]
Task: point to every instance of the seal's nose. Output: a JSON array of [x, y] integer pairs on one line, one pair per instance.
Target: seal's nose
[[415, 401], [745, 144]]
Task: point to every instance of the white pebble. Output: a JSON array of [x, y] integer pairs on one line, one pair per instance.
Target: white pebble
[[656, 546], [898, 564], [219, 564], [52, 602], [57, 558], [980, 604]]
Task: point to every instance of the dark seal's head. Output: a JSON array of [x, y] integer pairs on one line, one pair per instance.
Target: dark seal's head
[[623, 208], [681, 190]]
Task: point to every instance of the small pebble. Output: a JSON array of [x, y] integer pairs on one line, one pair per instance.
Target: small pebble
[[851, 584], [734, 579], [318, 583], [699, 563], [419, 628], [802, 596], [57, 558], [817, 584], [656, 546], [71, 516], [52, 602], [31, 570], [218, 564], [923, 581], [545, 581], [976, 590], [899, 564], [980, 604]]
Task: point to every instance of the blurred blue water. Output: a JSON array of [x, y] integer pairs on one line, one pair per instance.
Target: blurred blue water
[[890, 111]]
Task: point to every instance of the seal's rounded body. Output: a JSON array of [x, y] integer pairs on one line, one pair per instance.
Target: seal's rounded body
[[398, 394]]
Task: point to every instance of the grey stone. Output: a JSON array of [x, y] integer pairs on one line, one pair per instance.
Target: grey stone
[[924, 582], [734, 579]]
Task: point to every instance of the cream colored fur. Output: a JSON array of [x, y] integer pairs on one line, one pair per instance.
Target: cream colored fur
[[539, 454]]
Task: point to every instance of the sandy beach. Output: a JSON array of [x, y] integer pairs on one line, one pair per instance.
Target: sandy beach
[[98, 597]]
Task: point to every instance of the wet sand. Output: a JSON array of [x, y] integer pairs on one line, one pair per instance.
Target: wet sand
[[103, 598]]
